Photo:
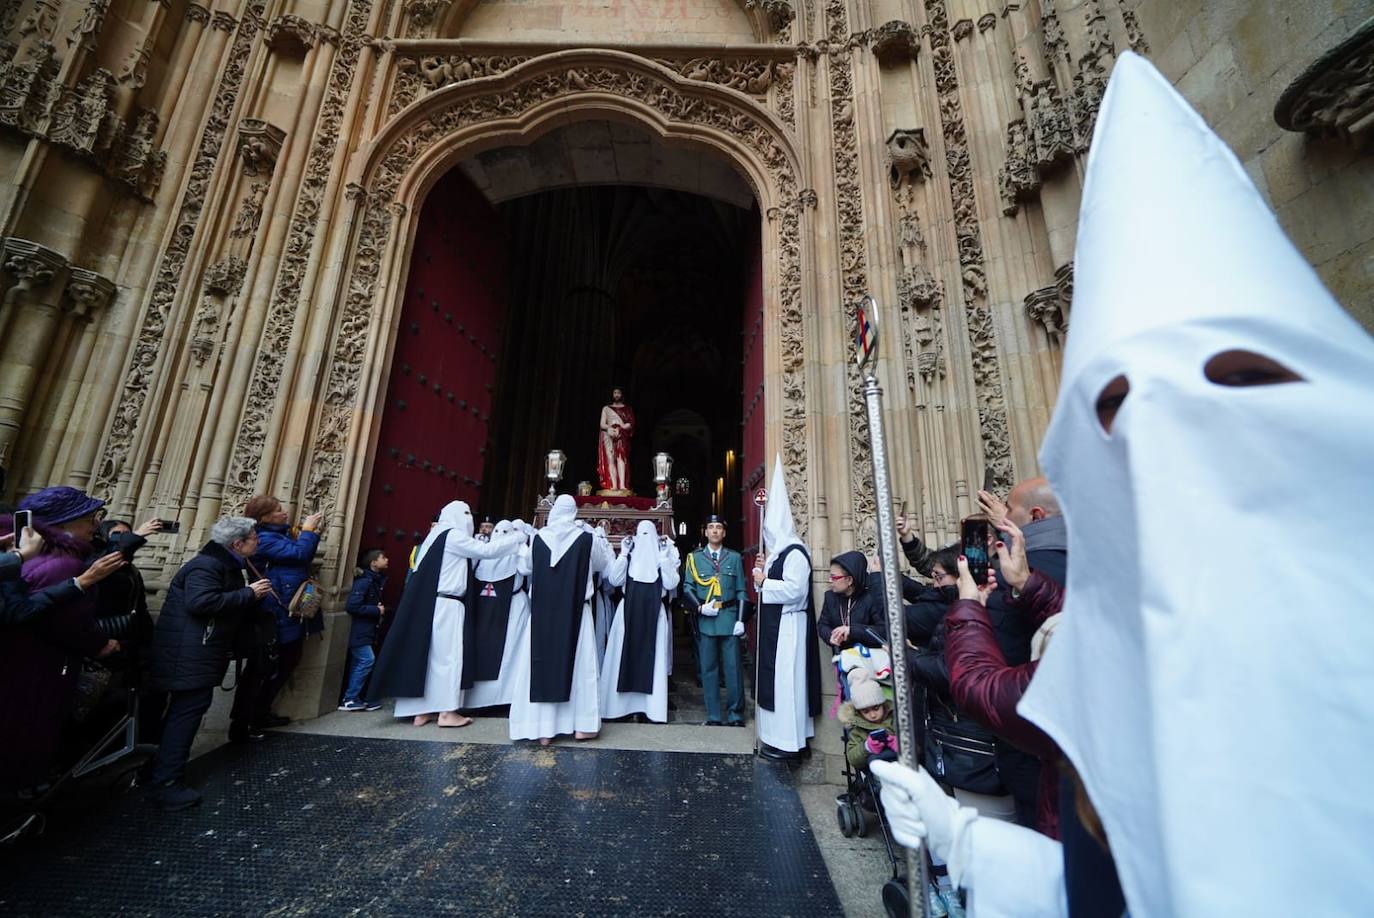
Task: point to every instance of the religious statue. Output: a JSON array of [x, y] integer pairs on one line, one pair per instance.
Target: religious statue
[[613, 452]]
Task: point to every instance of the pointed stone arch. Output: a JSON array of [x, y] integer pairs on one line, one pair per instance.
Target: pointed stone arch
[[430, 136]]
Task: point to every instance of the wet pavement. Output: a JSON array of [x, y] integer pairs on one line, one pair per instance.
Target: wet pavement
[[312, 825]]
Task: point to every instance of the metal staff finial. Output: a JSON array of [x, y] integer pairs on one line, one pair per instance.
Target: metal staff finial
[[866, 339]]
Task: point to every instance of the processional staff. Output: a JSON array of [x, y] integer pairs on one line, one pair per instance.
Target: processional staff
[[866, 337]]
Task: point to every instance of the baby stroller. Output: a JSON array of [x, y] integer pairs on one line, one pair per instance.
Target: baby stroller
[[859, 807]]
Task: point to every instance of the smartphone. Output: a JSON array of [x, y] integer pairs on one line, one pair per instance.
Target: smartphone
[[170, 526], [987, 479], [22, 519], [975, 547]]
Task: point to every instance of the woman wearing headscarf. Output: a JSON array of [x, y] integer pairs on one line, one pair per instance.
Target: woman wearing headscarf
[[499, 618], [421, 664], [634, 679], [556, 683], [40, 661]]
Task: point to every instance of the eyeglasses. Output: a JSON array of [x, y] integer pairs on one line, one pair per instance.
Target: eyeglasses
[[837, 577], [937, 576]]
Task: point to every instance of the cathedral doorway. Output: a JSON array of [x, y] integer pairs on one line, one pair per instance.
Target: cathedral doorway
[[542, 276]]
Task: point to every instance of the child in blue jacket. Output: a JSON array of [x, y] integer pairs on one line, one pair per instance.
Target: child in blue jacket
[[365, 607]]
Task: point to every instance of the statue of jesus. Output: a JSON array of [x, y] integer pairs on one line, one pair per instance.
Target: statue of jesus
[[613, 452]]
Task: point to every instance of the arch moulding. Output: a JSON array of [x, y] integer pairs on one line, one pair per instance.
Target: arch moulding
[[392, 175]]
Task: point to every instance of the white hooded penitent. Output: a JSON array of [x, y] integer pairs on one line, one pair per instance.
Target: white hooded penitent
[[779, 530], [1212, 680]]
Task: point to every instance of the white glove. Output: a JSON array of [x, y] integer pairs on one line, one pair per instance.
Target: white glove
[[626, 542], [739, 629], [710, 609], [917, 808]]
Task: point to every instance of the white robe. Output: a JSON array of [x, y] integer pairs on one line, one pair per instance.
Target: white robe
[[501, 690], [654, 705], [789, 725], [444, 667], [581, 713]]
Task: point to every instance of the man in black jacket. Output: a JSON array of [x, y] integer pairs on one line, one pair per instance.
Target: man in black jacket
[[193, 643]]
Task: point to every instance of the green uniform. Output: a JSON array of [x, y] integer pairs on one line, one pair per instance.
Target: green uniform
[[718, 578], [728, 571]]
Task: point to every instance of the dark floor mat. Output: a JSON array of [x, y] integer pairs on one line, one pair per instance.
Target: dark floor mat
[[312, 825]]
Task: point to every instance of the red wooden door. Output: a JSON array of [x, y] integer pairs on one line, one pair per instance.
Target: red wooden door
[[433, 440]]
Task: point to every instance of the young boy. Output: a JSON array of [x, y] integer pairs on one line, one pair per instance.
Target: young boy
[[365, 606], [868, 715]]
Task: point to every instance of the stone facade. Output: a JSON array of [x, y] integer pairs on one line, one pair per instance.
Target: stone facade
[[210, 205]]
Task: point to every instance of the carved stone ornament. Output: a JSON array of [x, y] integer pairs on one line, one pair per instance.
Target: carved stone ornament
[[82, 118], [751, 76], [895, 41], [223, 21], [1044, 306], [963, 30], [918, 289], [1063, 282], [225, 277], [259, 145], [87, 292], [1051, 127], [33, 265], [908, 157], [1335, 96], [150, 336], [291, 35], [779, 12], [982, 331], [422, 14], [1018, 179], [987, 21], [197, 12]]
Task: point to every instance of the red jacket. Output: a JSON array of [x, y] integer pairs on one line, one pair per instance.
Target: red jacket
[[988, 690]]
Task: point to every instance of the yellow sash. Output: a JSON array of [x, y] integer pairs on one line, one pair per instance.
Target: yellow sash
[[712, 585]]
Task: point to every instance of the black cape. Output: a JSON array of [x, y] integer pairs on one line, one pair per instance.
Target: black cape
[[404, 660], [484, 628], [642, 607], [558, 595], [770, 619]]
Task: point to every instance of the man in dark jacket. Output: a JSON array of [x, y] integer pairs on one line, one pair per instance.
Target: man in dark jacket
[[193, 643]]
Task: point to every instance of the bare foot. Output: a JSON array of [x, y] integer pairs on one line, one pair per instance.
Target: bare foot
[[584, 736], [545, 741], [453, 719], [422, 719]]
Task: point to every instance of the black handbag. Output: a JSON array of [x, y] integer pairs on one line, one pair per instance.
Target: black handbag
[[256, 639], [959, 752]]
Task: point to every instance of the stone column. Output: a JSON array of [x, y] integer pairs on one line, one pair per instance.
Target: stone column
[[31, 314], [88, 293]]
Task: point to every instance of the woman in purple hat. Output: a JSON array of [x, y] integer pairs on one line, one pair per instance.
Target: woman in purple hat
[[40, 661]]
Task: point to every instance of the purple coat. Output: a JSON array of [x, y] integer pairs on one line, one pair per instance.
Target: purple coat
[[40, 661]]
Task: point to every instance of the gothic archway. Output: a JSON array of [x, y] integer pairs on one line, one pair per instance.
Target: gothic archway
[[431, 135]]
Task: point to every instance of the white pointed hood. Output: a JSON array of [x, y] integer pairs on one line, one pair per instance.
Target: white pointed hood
[[562, 528], [779, 530], [494, 569], [644, 554], [455, 516], [1210, 680]]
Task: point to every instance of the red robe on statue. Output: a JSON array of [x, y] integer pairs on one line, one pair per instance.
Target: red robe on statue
[[613, 453]]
